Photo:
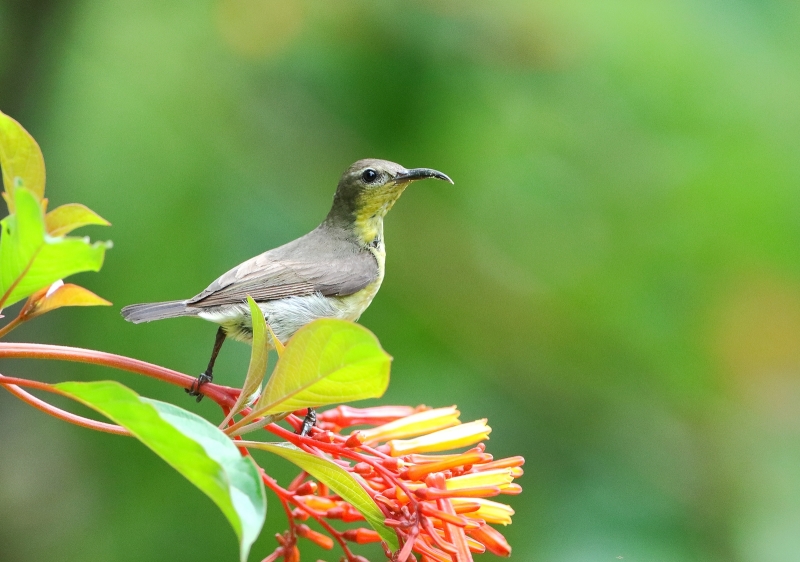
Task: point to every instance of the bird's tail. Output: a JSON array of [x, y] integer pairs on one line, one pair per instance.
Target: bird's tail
[[149, 311]]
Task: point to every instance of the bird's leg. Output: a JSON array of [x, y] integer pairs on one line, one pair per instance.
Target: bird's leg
[[207, 375], [308, 422]]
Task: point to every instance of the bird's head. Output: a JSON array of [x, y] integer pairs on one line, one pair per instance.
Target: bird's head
[[369, 188]]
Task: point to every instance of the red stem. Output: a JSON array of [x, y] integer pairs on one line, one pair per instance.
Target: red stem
[[222, 395], [337, 536], [13, 384], [287, 496], [283, 497], [343, 451]]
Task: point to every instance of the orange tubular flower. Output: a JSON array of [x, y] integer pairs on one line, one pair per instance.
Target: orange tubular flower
[[501, 478], [488, 510], [436, 503]]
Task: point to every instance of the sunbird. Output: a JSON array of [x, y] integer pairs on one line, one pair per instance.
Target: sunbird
[[334, 271]]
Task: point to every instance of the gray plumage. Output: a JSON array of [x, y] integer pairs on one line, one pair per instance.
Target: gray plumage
[[149, 311], [325, 261], [334, 271]]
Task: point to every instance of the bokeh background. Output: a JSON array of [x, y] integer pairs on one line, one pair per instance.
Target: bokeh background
[[614, 280]]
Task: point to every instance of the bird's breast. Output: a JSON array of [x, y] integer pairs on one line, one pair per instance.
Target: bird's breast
[[353, 306]]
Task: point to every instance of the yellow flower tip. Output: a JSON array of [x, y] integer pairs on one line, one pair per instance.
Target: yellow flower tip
[[413, 425], [490, 511], [501, 478], [511, 490], [456, 437]]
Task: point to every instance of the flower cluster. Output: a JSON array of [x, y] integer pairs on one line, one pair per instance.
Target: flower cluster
[[436, 503]]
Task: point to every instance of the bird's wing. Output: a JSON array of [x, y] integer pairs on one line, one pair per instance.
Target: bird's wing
[[308, 265]]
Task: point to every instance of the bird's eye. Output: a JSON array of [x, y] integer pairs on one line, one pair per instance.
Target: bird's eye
[[369, 175]]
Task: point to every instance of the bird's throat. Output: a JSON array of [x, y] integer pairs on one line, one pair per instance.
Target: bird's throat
[[368, 217], [369, 230]]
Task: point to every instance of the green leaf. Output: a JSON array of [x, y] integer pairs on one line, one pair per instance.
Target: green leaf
[[66, 218], [21, 160], [195, 448], [337, 479], [328, 361], [258, 360], [31, 260]]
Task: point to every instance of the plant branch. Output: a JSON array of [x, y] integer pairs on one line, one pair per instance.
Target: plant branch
[[13, 384], [24, 312], [222, 395], [287, 497], [10, 326]]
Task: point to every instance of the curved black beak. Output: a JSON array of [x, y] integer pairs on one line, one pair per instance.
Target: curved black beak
[[420, 174]]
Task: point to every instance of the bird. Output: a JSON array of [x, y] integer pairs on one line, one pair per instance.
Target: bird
[[334, 271]]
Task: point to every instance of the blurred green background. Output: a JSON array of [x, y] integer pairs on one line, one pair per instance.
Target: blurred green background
[[614, 280]]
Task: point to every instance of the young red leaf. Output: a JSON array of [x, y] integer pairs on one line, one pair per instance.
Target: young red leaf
[[66, 294], [66, 218]]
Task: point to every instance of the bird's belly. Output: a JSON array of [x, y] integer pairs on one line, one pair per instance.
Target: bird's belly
[[286, 316], [353, 306]]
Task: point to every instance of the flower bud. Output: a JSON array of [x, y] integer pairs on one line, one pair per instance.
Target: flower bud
[[318, 538], [501, 478], [413, 425], [488, 510], [361, 536], [492, 539], [462, 435]]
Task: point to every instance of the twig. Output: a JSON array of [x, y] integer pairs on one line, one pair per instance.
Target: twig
[[13, 384], [222, 395], [10, 326]]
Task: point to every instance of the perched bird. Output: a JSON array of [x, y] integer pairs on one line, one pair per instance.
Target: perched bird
[[334, 271]]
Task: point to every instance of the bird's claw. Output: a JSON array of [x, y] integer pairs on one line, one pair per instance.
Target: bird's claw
[[194, 390], [308, 422]]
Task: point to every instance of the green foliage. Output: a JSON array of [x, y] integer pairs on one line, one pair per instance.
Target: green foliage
[[258, 360], [21, 160], [328, 361], [338, 480], [30, 259], [192, 446], [34, 251]]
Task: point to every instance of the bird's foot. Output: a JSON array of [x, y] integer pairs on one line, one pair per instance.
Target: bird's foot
[[308, 422], [194, 390]]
